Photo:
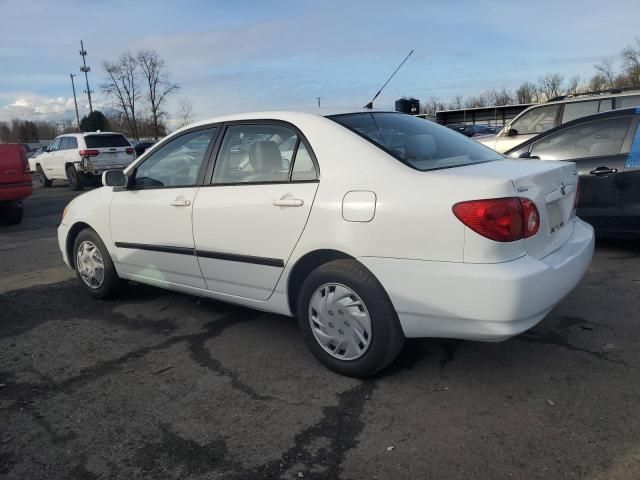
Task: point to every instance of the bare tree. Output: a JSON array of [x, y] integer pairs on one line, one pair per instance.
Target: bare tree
[[499, 97], [527, 93], [550, 86], [606, 70], [574, 85], [478, 101], [185, 112], [158, 86], [123, 86], [456, 103], [433, 105], [597, 82], [631, 61]]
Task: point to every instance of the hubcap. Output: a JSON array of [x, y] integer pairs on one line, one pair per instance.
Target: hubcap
[[90, 265], [340, 321]]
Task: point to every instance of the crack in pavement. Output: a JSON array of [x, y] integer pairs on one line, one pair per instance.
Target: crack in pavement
[[25, 393], [551, 338]]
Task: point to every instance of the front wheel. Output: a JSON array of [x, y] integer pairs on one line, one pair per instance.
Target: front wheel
[[42, 178], [347, 319], [94, 267], [74, 178]]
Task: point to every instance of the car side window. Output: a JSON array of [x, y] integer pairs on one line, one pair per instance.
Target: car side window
[[628, 101], [55, 145], [593, 139], [72, 143], [303, 167], [578, 110], [177, 163], [65, 143], [255, 153], [537, 120]]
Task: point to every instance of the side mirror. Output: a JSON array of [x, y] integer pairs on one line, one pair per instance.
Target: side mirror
[[529, 156], [512, 132], [114, 178]]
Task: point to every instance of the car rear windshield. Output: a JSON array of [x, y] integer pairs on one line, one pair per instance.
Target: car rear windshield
[[419, 143], [105, 141]]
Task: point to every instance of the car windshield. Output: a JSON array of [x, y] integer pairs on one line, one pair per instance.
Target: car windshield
[[416, 142]]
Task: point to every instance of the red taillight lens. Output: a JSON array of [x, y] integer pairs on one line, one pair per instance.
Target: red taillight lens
[[531, 217], [130, 150], [89, 153], [500, 219]]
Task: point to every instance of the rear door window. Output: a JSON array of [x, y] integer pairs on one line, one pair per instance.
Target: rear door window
[[106, 141], [257, 153], [579, 109], [536, 120], [592, 139], [419, 143]]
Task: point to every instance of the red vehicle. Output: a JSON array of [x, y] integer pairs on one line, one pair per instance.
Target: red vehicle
[[15, 182]]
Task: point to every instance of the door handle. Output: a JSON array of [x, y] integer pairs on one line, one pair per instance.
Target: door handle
[[288, 202], [180, 202], [603, 171]]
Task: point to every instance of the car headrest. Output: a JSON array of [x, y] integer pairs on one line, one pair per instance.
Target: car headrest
[[265, 156], [420, 146]]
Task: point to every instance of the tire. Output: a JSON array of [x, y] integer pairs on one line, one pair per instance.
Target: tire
[[75, 179], [11, 213], [42, 178], [111, 285], [362, 296]]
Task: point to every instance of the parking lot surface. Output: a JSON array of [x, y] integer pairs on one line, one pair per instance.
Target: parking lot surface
[[163, 385]]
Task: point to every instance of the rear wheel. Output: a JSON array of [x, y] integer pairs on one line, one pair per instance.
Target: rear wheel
[[74, 179], [94, 267], [42, 178], [11, 213], [347, 319]]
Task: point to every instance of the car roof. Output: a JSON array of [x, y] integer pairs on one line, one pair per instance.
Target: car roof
[[596, 116], [282, 115]]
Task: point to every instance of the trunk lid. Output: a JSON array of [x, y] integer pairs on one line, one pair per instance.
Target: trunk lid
[[112, 150], [551, 185], [553, 189]]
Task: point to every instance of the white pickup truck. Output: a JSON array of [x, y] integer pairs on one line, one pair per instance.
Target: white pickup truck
[[80, 158]]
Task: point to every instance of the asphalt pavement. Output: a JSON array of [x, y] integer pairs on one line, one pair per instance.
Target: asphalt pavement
[[162, 385]]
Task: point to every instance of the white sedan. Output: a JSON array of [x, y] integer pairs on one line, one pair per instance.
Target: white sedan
[[370, 227]]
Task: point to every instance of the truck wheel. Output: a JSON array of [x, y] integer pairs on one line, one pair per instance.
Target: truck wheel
[[347, 319], [11, 213], [74, 178], [42, 178]]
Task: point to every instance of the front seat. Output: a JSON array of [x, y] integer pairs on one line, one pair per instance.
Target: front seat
[[266, 160]]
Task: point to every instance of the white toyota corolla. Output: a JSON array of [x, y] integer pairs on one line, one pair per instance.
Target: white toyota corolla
[[370, 227]]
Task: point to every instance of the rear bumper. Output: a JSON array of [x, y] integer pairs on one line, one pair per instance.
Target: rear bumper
[[487, 302], [15, 191]]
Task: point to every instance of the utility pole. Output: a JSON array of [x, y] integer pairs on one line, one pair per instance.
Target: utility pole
[[318, 99], [73, 86], [85, 69]]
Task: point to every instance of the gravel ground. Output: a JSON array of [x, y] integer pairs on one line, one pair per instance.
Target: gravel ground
[[162, 385]]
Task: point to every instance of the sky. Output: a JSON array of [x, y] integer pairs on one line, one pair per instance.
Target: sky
[[241, 55]]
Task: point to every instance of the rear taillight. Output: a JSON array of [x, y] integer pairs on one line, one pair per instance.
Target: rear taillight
[[89, 153], [25, 162], [500, 219], [130, 150]]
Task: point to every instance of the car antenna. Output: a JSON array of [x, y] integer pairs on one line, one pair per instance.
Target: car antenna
[[370, 104]]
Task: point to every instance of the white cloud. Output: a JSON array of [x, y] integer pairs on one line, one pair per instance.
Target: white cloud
[[29, 106]]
